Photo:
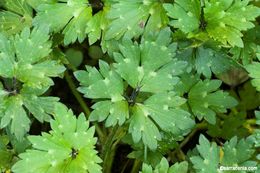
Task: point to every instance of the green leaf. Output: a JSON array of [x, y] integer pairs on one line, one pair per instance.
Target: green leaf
[[16, 16], [164, 108], [209, 61], [29, 69], [163, 167], [236, 152], [141, 127], [36, 3], [251, 49], [208, 158], [205, 100], [15, 115], [104, 84], [249, 97], [6, 155], [95, 26], [68, 16], [221, 20], [228, 126], [150, 79], [233, 153], [30, 65], [186, 13], [128, 18], [226, 19], [254, 72], [7, 58], [68, 147], [179, 167], [149, 75], [40, 107]]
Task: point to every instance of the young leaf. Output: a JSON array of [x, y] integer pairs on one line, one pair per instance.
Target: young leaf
[[68, 147], [29, 69], [205, 100], [16, 16], [68, 16]]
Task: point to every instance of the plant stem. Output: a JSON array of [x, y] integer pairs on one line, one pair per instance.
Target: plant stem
[[82, 103], [125, 165], [202, 125], [198, 127], [145, 153], [109, 150], [136, 166], [76, 94]]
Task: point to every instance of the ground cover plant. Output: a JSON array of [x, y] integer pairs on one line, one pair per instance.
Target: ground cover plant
[[138, 86]]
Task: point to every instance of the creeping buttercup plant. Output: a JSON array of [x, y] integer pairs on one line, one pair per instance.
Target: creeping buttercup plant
[[164, 86]]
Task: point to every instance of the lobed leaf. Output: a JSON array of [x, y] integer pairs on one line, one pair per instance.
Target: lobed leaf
[[16, 16], [68, 16], [26, 63], [233, 152], [221, 20], [163, 167], [205, 100], [69, 147], [136, 14], [140, 68]]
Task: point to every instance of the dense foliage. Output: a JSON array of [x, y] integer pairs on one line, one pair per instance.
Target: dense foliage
[[164, 86]]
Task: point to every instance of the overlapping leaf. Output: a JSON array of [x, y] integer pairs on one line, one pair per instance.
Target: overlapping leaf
[[26, 62], [69, 147], [209, 61], [6, 154], [205, 100], [96, 25], [163, 167], [129, 17], [229, 126], [251, 49], [68, 16], [16, 16], [255, 137], [208, 158], [221, 20], [186, 13], [140, 68], [234, 152], [227, 19]]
